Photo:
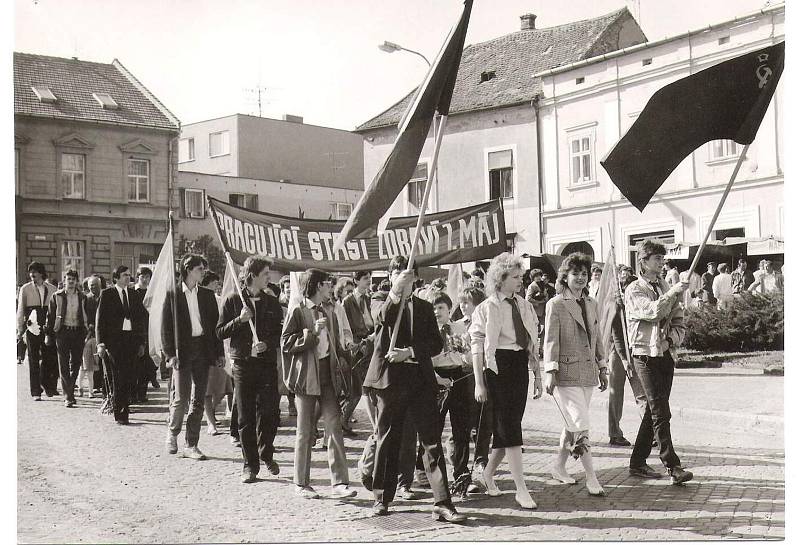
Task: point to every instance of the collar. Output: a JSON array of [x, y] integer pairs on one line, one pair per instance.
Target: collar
[[310, 304], [187, 289], [120, 290], [568, 296]]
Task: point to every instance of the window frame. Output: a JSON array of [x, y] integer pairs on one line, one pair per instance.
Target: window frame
[[227, 138], [253, 197], [186, 211], [514, 175], [409, 207], [190, 147], [726, 157], [578, 134], [138, 178], [63, 171], [80, 244], [335, 208]]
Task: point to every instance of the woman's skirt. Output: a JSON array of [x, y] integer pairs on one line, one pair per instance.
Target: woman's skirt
[[508, 391], [574, 404]]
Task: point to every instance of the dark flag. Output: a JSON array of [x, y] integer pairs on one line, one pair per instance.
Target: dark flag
[[433, 95], [726, 101]]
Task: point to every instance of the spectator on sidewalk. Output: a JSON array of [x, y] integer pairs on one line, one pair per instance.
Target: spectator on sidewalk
[[255, 366], [594, 281], [707, 280], [723, 286], [32, 304], [672, 275], [741, 278], [768, 281], [66, 327], [655, 329]]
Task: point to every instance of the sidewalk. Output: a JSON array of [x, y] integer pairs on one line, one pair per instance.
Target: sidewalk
[[83, 479]]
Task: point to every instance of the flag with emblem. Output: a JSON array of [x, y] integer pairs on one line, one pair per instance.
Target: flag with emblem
[[724, 102], [606, 297]]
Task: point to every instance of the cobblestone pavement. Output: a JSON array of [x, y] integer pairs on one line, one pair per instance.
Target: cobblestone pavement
[[82, 479]]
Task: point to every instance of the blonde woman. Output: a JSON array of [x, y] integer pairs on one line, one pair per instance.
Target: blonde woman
[[504, 349], [574, 361]]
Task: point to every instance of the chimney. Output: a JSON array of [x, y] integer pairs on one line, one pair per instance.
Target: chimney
[[293, 118], [527, 22]]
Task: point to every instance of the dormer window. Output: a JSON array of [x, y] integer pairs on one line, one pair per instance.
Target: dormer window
[[106, 101], [44, 94], [486, 76]]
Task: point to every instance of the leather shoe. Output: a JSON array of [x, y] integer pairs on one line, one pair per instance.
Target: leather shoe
[[193, 453], [447, 513], [406, 493], [619, 442], [122, 422], [380, 509], [645, 472], [306, 492], [172, 443], [680, 475], [272, 467], [248, 476]]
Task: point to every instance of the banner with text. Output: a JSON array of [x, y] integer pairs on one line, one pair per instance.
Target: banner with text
[[456, 236]]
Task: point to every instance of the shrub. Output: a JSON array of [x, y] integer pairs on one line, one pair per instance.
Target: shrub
[[751, 322]]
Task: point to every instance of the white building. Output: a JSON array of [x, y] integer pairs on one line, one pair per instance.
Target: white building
[[588, 105]]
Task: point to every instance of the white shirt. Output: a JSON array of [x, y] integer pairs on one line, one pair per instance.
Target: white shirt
[[71, 312], [194, 309], [41, 291], [673, 277], [323, 342], [126, 322], [593, 288], [722, 287], [507, 340]]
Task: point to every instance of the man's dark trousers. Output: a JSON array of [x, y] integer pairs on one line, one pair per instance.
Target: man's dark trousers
[[36, 368], [258, 410], [69, 343], [656, 376], [193, 363], [407, 392], [123, 356]]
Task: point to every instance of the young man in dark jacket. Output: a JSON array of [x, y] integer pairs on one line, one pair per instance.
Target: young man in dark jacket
[[255, 365]]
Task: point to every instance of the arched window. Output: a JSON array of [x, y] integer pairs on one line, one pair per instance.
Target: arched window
[[583, 247]]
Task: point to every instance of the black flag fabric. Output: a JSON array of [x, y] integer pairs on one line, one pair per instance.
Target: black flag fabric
[[434, 95], [726, 101]]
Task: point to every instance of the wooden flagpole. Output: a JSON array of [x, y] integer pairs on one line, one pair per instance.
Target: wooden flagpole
[[621, 295], [423, 205], [174, 300], [696, 259]]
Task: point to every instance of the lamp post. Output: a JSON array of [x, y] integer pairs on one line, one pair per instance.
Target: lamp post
[[389, 47]]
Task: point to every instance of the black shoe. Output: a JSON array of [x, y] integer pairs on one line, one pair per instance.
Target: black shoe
[[680, 475], [349, 432], [645, 472], [406, 493], [155, 384], [272, 467], [248, 476], [619, 442], [122, 422], [366, 480], [447, 513], [380, 509]]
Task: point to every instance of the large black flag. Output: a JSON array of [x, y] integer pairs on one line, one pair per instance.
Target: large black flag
[[434, 95], [726, 101]]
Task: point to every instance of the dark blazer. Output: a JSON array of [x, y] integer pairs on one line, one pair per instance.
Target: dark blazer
[[59, 300], [268, 315], [209, 315], [108, 325], [425, 340], [355, 316]]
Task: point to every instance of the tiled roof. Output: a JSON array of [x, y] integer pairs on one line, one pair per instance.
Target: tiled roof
[[73, 82], [515, 58]]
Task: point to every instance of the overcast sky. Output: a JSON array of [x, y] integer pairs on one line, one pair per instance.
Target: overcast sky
[[315, 58]]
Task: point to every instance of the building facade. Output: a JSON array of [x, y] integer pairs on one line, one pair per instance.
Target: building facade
[[286, 150], [95, 166], [587, 106], [490, 147]]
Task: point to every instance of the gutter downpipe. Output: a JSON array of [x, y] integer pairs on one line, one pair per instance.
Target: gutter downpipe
[[539, 170]]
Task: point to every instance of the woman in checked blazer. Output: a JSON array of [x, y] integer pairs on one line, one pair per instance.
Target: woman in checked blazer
[[574, 360]]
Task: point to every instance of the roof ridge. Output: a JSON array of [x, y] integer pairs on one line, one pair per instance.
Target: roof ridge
[[68, 59], [146, 92]]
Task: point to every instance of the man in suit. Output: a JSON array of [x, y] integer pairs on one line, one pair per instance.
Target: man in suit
[[146, 372], [401, 380], [357, 307], [190, 355], [34, 298], [94, 286], [66, 326], [119, 338]]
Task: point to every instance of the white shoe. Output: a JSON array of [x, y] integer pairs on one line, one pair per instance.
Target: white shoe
[[341, 491], [491, 486], [595, 489], [193, 453], [525, 500], [561, 475]]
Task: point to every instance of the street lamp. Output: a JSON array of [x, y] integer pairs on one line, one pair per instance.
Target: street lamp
[[389, 47]]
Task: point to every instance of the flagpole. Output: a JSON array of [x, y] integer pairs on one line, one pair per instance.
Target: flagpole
[[232, 270], [423, 205], [696, 259], [621, 295], [174, 301]]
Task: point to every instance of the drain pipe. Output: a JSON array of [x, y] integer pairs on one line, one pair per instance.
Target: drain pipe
[[539, 169]]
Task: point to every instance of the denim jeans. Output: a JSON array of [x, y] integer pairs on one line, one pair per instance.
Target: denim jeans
[[256, 394], [616, 393], [192, 371], [656, 376], [69, 343]]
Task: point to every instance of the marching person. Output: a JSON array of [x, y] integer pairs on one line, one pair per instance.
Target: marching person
[[594, 282], [357, 308], [504, 349], [146, 373], [190, 355], [219, 382], [574, 359], [32, 305], [94, 286], [655, 329], [672, 275], [119, 338], [312, 372], [255, 367], [66, 325], [402, 381]]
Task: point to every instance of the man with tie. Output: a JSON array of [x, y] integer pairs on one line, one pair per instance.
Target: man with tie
[[120, 338], [357, 307], [192, 353], [401, 380], [34, 298], [655, 328]]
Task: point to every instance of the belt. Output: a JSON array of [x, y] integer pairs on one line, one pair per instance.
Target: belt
[[72, 327]]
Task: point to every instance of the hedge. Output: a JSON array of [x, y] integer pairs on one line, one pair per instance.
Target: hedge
[[751, 322]]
